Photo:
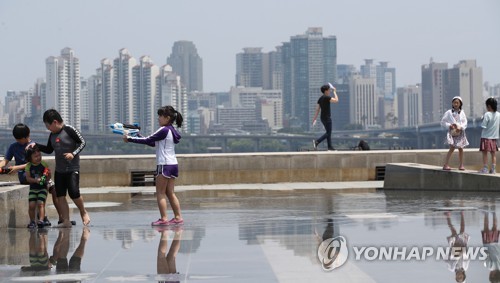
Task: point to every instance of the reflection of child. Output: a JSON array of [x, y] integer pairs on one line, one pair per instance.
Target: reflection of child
[[457, 262], [456, 123], [61, 249], [165, 262], [39, 258], [490, 241], [489, 135], [38, 176]]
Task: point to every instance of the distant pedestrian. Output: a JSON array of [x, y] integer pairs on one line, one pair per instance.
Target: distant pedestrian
[[489, 135], [164, 139], [326, 119], [456, 122], [363, 145], [67, 142]]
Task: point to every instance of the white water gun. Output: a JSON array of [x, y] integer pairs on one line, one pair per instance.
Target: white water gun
[[125, 129]]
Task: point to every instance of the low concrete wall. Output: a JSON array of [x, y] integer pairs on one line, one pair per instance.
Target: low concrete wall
[[220, 168], [411, 176]]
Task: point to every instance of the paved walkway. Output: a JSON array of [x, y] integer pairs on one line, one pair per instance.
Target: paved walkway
[[365, 185]]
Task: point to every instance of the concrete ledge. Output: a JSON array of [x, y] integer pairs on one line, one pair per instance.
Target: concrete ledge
[[14, 205], [411, 176]]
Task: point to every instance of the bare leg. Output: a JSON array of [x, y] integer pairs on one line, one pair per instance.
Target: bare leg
[[83, 212], [448, 155], [55, 201], [448, 220], [41, 210], [462, 222], [64, 211], [461, 156], [493, 159], [161, 196], [31, 210], [485, 158], [172, 199]]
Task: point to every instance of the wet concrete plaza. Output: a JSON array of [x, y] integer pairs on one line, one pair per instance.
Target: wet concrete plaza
[[246, 235]]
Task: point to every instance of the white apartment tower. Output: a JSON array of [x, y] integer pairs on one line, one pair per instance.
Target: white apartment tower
[[363, 101], [409, 106], [433, 91], [144, 90], [63, 86], [171, 91], [122, 86], [102, 98]]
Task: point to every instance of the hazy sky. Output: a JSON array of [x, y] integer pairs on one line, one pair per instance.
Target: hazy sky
[[404, 33]]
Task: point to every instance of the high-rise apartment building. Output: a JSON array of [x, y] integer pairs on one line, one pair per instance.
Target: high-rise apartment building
[[433, 91], [465, 79], [440, 85], [409, 106], [122, 86], [143, 94], [63, 86], [363, 101], [386, 80], [170, 91], [249, 67], [186, 62], [309, 61], [84, 105]]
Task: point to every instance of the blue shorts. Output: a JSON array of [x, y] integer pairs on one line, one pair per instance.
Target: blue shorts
[[167, 171]]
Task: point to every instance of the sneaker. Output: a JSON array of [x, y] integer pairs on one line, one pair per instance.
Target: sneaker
[[32, 225], [40, 224], [493, 170], [160, 222], [46, 222], [175, 221], [332, 149], [315, 145], [484, 170]]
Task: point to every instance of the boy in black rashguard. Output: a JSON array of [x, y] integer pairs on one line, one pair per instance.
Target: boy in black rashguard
[[67, 142]]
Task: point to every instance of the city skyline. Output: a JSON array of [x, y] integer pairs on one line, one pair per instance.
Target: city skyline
[[404, 36]]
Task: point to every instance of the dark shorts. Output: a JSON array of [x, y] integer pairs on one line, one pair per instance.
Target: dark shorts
[[168, 171], [67, 182], [62, 265], [488, 145]]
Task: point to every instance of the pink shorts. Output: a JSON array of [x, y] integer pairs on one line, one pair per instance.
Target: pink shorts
[[488, 145]]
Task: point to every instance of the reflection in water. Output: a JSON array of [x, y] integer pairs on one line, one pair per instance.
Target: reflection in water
[[490, 240], [457, 262], [165, 260], [61, 249], [38, 256]]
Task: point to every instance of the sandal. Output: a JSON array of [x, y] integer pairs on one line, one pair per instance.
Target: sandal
[[446, 167], [461, 168]]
